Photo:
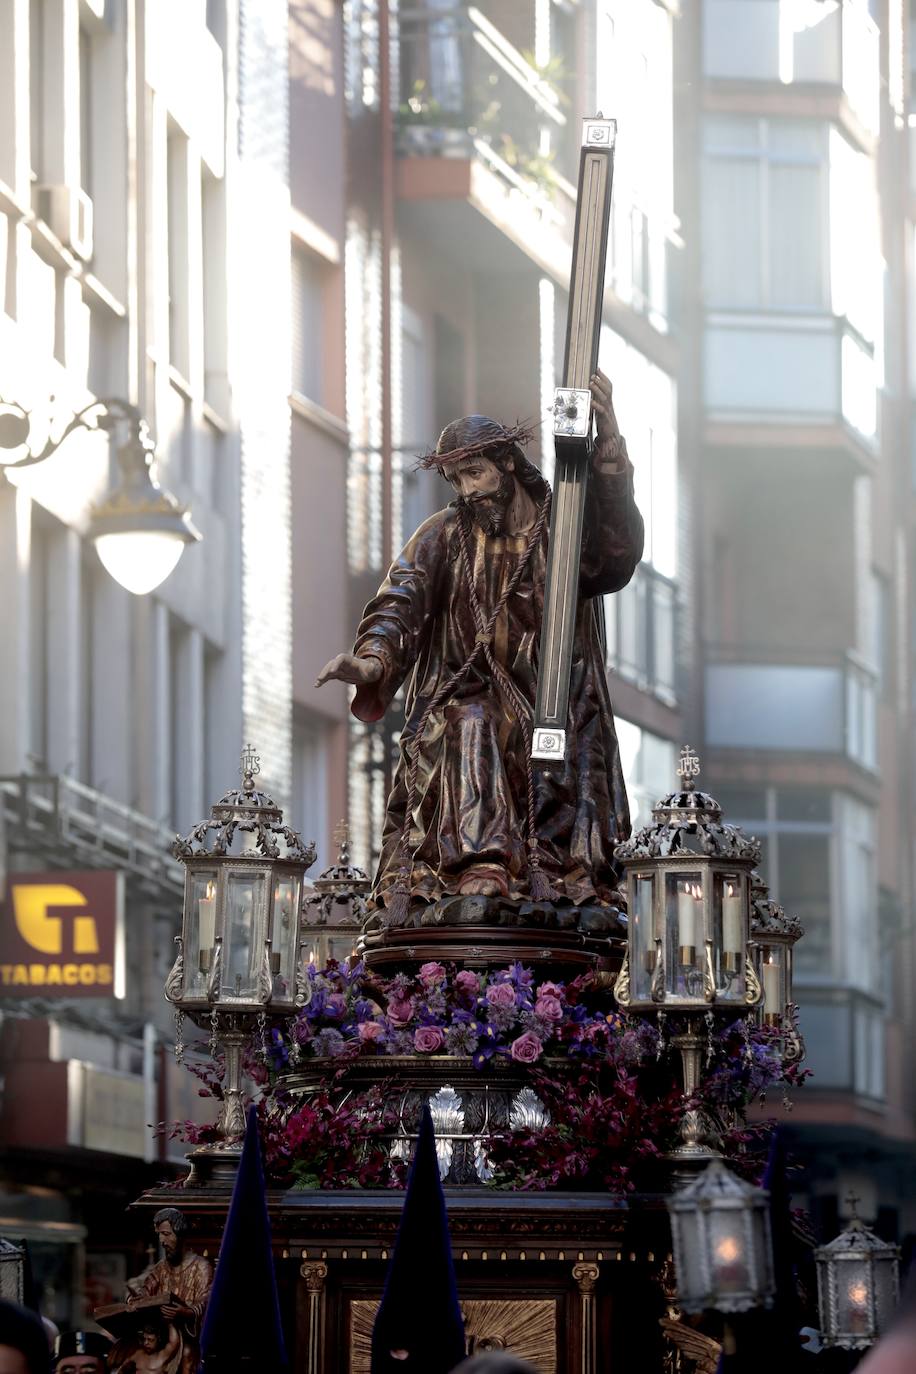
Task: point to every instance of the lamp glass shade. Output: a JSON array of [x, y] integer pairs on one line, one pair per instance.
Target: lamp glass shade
[[642, 933], [685, 934], [200, 930], [730, 934], [139, 560], [244, 931], [285, 935]]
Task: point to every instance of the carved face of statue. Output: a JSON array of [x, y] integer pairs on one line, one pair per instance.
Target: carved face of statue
[[171, 1243], [150, 1340], [484, 487]]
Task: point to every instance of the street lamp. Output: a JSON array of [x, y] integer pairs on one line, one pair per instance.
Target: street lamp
[[723, 1250], [774, 935], [139, 529], [239, 962], [857, 1286], [688, 927]]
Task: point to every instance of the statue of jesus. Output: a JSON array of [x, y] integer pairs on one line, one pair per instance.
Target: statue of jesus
[[459, 615]]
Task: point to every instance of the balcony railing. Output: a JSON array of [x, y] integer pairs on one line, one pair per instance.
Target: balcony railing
[[834, 43], [463, 88], [641, 624], [828, 707], [810, 369], [56, 816]]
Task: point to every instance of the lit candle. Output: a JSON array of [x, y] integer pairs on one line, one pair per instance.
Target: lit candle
[[206, 916], [772, 1009], [732, 942], [687, 923], [731, 1271], [857, 1296]]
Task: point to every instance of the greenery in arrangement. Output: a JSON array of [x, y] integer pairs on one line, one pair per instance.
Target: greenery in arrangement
[[609, 1083]]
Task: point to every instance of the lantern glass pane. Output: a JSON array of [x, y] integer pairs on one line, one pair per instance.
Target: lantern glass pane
[[644, 951], [729, 1260], [684, 934], [885, 1270], [244, 933], [285, 933], [854, 1297], [199, 930], [341, 946], [730, 922], [772, 977]]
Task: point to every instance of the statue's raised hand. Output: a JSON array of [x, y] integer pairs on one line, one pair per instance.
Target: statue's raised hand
[[350, 668]]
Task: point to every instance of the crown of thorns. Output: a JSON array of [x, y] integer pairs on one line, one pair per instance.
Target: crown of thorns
[[503, 438]]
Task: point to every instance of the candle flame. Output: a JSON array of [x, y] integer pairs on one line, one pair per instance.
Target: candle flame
[[728, 1250], [211, 890], [858, 1294]]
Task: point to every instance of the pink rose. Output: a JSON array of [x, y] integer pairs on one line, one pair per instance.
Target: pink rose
[[400, 1011], [431, 974], [337, 1004], [526, 1049], [428, 1039], [467, 982], [501, 995], [548, 1007], [369, 1030], [550, 990]]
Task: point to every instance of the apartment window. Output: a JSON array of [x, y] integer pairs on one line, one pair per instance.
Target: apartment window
[[307, 324], [310, 782], [765, 214], [86, 111], [880, 631], [213, 231], [648, 763], [177, 175], [36, 88]]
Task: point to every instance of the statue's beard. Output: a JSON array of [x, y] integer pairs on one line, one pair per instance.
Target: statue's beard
[[489, 512]]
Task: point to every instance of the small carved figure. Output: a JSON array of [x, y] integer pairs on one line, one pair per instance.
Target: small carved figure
[[459, 615], [157, 1346], [183, 1279]]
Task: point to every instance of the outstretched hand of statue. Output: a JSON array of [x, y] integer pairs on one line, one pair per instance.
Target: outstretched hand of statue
[[608, 448], [350, 668]]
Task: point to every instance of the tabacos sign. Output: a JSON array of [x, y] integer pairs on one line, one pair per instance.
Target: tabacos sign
[[62, 934]]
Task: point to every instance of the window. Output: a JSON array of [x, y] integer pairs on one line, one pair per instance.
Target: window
[[818, 857], [880, 630], [765, 220], [86, 111], [36, 88], [648, 763], [310, 782], [177, 163], [307, 324]]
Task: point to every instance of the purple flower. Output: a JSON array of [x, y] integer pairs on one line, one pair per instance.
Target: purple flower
[[431, 974], [399, 1011], [467, 983], [549, 1008], [428, 1039], [550, 990], [501, 995], [329, 1044], [336, 1005], [526, 1049]]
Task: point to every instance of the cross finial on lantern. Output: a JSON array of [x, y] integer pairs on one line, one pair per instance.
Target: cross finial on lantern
[[249, 768], [342, 840], [689, 767], [852, 1198]]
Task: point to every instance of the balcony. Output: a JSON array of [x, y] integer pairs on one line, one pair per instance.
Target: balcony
[[477, 121], [641, 623], [844, 1032], [829, 707], [57, 817], [791, 369], [823, 45]]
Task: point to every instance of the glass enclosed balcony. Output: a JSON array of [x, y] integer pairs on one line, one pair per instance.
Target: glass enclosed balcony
[[822, 44], [826, 707]]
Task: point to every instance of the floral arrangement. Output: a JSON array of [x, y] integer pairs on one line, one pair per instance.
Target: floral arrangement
[[609, 1083]]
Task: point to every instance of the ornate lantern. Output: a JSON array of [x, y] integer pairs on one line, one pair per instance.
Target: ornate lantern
[[723, 1252], [774, 935], [857, 1286], [688, 929], [239, 961], [334, 912]]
